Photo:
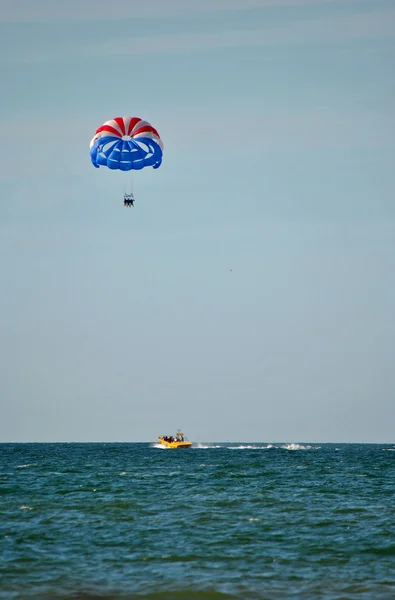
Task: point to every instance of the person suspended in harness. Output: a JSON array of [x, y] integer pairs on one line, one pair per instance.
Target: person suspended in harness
[[128, 200]]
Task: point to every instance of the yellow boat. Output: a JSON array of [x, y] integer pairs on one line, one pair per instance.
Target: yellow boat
[[179, 441]]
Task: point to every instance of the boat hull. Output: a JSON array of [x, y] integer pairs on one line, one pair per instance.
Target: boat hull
[[175, 444]]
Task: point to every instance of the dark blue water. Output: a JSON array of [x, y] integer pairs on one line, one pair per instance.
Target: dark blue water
[[123, 521]]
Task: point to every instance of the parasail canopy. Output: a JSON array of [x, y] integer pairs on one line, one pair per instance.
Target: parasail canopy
[[126, 143]]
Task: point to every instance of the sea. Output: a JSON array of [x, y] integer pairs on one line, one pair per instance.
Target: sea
[[123, 521]]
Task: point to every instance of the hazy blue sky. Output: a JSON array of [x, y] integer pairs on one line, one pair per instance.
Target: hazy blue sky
[[250, 293]]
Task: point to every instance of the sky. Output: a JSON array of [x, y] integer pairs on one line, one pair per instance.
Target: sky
[[249, 294]]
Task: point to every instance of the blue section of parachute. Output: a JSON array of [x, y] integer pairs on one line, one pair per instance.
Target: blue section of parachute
[[125, 155]]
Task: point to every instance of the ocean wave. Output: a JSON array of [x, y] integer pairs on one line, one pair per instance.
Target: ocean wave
[[176, 594]]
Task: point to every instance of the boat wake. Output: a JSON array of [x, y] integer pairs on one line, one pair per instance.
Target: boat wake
[[273, 446], [250, 447], [206, 446], [299, 447]]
